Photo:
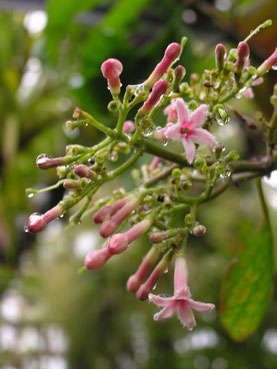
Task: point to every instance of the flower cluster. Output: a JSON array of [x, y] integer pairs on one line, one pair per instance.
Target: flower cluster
[[177, 180]]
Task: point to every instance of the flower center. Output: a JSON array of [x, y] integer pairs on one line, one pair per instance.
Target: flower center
[[184, 131]]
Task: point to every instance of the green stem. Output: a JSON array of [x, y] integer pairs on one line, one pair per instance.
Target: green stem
[[121, 119], [271, 130], [125, 166], [94, 123], [263, 202]]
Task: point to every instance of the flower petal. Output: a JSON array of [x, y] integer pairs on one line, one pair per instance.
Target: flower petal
[[248, 93], [257, 81], [173, 132], [198, 116], [167, 311], [182, 111], [183, 294], [159, 300], [200, 306], [190, 149], [202, 136], [185, 315]]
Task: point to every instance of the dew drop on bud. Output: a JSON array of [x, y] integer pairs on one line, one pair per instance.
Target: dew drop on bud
[[165, 143], [42, 158], [30, 195], [166, 271], [190, 328], [154, 287], [155, 317], [222, 117], [274, 67], [26, 229]]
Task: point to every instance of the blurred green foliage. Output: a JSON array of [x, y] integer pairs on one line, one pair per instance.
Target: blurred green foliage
[[106, 327]]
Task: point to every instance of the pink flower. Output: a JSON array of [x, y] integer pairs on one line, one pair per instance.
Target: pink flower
[[185, 129], [128, 126], [268, 63], [181, 301], [111, 70], [171, 111]]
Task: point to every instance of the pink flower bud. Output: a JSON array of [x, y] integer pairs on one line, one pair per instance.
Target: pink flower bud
[[158, 90], [44, 161], [111, 70], [155, 162], [37, 222], [220, 54], [128, 126], [158, 237], [107, 211], [135, 281], [199, 230], [180, 274], [97, 258], [243, 54], [82, 170], [172, 52], [119, 242], [268, 63], [77, 113], [110, 226], [179, 73], [150, 283]]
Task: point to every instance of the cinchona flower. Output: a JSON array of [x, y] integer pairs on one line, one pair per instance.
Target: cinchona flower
[[181, 301], [186, 130]]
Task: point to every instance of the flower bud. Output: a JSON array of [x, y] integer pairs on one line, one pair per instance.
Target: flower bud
[[77, 113], [107, 211], [150, 283], [37, 222], [268, 63], [220, 54], [199, 230], [113, 106], [111, 70], [110, 226], [97, 258], [135, 280], [82, 170], [44, 161], [172, 52], [119, 242], [158, 90], [158, 237], [128, 126], [179, 74], [243, 54], [155, 162]]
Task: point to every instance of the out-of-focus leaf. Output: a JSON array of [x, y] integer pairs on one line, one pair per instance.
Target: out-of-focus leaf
[[247, 287], [60, 15], [108, 36]]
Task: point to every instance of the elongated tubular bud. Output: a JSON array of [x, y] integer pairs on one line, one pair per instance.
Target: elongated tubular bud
[[268, 63], [97, 258], [82, 170], [107, 211], [135, 280], [110, 226], [150, 283], [179, 74], [158, 237], [120, 242], [37, 222], [220, 53], [158, 90], [46, 162], [172, 52], [111, 70], [128, 126], [243, 53], [155, 162]]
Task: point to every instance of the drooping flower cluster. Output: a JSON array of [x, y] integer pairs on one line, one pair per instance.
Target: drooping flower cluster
[[172, 182]]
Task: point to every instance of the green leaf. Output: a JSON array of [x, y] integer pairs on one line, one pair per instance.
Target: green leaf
[[247, 287]]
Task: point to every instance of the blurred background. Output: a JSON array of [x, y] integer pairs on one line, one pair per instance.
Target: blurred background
[[50, 57]]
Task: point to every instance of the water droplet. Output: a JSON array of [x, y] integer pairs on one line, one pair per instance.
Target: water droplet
[[86, 124], [155, 317], [154, 287], [42, 158], [166, 271], [26, 229], [222, 117], [226, 174], [30, 195], [190, 328], [113, 156], [91, 160], [274, 67], [165, 143]]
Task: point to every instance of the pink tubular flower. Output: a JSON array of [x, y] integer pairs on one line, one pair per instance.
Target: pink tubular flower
[[107, 211], [243, 55], [44, 161], [172, 52], [155, 162], [97, 258], [220, 54], [82, 171], [111, 70], [171, 111], [181, 301], [110, 226], [128, 126], [37, 222], [268, 63], [158, 90], [185, 129], [135, 280], [120, 242]]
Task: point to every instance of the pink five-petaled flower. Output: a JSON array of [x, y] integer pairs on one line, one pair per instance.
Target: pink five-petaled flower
[[181, 301], [185, 129]]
